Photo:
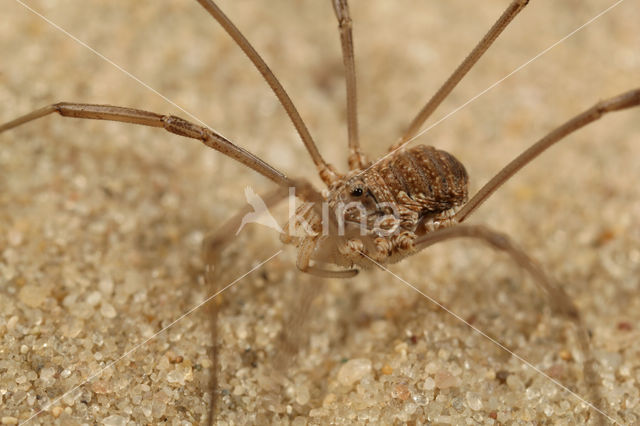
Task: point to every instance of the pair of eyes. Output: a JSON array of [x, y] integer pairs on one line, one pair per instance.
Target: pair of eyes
[[357, 192]]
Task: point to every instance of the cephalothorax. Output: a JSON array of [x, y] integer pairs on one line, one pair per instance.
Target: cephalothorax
[[378, 212]]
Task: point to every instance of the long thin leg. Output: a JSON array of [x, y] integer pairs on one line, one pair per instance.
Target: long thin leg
[[341, 8], [505, 19], [559, 299], [499, 241], [326, 171], [170, 123], [625, 100], [212, 248]]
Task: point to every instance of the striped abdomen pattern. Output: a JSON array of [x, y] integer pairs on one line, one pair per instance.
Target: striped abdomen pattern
[[423, 178]]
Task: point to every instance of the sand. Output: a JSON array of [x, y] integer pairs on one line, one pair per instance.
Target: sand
[[101, 223]]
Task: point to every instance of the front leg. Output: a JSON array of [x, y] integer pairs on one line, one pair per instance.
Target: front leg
[[170, 123]]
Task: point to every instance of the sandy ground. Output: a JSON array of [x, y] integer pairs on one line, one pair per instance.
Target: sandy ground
[[101, 223]]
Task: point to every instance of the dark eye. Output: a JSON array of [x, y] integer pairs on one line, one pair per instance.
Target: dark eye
[[356, 192]]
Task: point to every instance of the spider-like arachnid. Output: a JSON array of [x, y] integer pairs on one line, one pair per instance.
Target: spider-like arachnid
[[167, 200]]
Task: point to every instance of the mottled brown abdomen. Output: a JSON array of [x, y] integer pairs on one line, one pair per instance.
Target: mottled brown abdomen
[[433, 180]]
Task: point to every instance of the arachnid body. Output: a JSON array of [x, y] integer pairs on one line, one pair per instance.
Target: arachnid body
[[166, 197], [383, 207]]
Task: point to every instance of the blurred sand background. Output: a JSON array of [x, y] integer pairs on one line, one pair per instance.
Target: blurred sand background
[[101, 223]]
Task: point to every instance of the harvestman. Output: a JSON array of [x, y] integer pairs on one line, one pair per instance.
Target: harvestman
[[427, 187]]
